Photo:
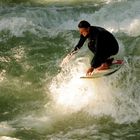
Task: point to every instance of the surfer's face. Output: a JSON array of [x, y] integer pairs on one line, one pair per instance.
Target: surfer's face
[[84, 31]]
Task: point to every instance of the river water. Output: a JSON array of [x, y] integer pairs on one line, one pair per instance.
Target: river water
[[39, 100]]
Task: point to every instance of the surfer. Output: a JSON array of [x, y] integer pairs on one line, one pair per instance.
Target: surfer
[[100, 41]]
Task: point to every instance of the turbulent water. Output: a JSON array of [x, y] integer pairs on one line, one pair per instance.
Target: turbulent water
[[39, 100]]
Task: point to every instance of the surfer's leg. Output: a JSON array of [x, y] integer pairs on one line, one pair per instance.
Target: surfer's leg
[[102, 62], [109, 61], [105, 61]]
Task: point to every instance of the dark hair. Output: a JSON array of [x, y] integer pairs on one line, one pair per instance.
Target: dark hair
[[83, 24]]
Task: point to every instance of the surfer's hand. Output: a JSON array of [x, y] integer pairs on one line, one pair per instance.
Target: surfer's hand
[[68, 57], [89, 71]]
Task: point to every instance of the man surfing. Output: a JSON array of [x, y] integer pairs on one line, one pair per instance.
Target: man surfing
[[100, 41]]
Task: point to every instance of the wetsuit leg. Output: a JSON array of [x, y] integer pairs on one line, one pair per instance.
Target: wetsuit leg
[[104, 56], [98, 60]]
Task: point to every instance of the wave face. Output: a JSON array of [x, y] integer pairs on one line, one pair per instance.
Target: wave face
[[38, 99]]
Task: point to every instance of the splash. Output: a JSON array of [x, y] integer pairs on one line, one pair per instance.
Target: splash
[[75, 94], [70, 92], [97, 97]]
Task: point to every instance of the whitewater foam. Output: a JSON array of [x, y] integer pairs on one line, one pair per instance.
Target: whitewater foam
[[16, 25], [97, 97], [124, 17], [6, 129], [18, 53], [8, 138]]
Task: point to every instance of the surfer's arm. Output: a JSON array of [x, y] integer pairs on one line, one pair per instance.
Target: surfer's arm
[[94, 64], [74, 51], [79, 45]]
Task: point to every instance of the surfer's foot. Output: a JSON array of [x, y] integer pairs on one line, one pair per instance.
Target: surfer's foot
[[118, 62], [109, 61], [104, 66]]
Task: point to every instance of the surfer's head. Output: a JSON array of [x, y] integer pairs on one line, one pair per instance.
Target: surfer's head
[[84, 27]]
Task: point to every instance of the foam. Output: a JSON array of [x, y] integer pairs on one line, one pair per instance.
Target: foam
[[97, 97], [37, 122], [124, 17], [112, 1], [6, 129], [2, 75], [8, 138], [18, 53], [16, 25], [70, 91]]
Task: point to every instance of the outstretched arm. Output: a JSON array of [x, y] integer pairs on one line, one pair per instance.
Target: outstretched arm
[[74, 51], [68, 57]]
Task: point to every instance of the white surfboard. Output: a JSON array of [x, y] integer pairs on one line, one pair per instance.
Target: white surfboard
[[116, 65]]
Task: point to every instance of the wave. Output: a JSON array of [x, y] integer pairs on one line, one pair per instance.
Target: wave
[[33, 42], [59, 18]]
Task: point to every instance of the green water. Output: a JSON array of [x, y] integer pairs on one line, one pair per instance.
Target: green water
[[39, 100]]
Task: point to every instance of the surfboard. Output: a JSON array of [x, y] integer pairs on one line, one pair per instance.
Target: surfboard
[[115, 66]]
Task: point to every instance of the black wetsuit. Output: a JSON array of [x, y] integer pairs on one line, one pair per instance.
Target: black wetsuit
[[101, 42]]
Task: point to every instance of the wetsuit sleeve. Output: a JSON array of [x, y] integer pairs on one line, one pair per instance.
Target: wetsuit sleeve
[[97, 61], [79, 45]]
